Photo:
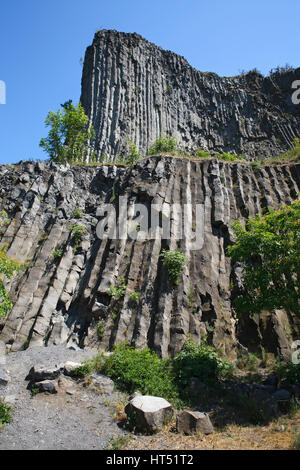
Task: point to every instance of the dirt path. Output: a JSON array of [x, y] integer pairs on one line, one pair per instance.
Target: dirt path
[[80, 420]]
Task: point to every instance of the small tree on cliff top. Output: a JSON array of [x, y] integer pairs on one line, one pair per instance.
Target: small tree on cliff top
[[69, 135], [270, 247]]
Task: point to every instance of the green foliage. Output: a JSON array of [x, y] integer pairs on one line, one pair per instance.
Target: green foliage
[[288, 373], [69, 135], [202, 362], [77, 234], [202, 154], [175, 261], [227, 157], [57, 254], [292, 155], [77, 213], [255, 164], [119, 291], [5, 413], [296, 443], [118, 442], [88, 366], [8, 267], [270, 247], [141, 371], [133, 154], [252, 410], [164, 144], [100, 329], [134, 297]]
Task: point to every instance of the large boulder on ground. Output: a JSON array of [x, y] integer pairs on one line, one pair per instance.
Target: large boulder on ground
[[192, 422], [39, 374], [147, 414]]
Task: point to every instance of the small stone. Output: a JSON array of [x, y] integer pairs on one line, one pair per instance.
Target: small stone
[[192, 422], [4, 378], [46, 386]]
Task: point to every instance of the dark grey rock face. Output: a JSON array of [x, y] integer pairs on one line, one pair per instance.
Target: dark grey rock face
[[133, 88], [66, 299]]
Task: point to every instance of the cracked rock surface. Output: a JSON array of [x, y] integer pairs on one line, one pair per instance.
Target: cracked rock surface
[[133, 89], [63, 295]]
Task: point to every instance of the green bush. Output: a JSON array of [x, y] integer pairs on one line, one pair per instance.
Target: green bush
[[164, 144], [100, 329], [88, 366], [70, 135], [57, 254], [134, 297], [141, 371], [133, 155], [227, 157], [175, 261], [77, 234], [288, 373], [269, 246], [5, 413], [119, 291], [202, 362], [77, 213], [202, 154]]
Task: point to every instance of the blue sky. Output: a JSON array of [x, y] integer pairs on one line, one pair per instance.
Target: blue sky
[[42, 43]]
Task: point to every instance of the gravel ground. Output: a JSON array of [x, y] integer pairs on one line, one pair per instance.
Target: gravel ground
[[81, 420]]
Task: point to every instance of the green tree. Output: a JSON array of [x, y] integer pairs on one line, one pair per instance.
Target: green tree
[[175, 261], [8, 267], [69, 136], [163, 144], [270, 247], [133, 155]]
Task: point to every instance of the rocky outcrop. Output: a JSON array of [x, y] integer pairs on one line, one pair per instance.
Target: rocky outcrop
[[133, 89], [63, 296]]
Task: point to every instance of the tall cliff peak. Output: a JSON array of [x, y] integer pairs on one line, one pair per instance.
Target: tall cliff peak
[[133, 89]]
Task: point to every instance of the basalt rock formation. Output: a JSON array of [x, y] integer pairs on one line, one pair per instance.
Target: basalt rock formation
[[63, 296], [133, 89]]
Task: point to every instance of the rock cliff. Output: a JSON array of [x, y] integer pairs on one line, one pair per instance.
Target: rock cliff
[[133, 89], [64, 297]]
